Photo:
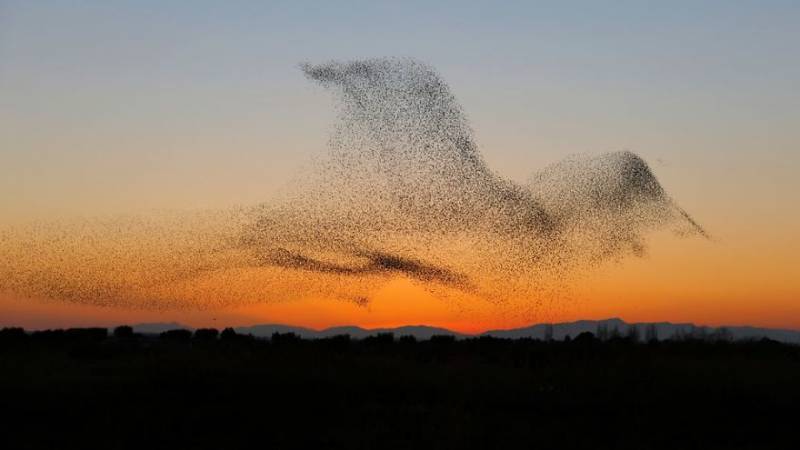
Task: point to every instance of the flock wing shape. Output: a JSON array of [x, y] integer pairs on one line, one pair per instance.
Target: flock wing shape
[[404, 191]]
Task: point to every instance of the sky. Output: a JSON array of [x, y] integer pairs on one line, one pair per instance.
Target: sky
[[125, 107]]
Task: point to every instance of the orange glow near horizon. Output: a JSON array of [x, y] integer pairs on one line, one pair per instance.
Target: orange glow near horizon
[[191, 173], [709, 288]]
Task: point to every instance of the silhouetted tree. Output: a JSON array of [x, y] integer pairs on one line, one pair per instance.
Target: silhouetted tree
[[87, 334], [442, 339], [228, 334], [206, 334], [381, 339], [584, 338], [123, 332], [176, 335], [48, 335], [407, 339], [285, 338], [12, 335], [338, 343]]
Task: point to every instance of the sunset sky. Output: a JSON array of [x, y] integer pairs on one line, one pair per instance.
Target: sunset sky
[[111, 108]]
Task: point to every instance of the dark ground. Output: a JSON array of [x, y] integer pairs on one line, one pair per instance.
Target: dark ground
[[81, 389]]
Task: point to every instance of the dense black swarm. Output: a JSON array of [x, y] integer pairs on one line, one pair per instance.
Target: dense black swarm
[[404, 191]]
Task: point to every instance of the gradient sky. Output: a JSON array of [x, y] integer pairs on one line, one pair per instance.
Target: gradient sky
[[119, 107]]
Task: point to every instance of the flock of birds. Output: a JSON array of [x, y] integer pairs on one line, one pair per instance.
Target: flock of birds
[[404, 191]]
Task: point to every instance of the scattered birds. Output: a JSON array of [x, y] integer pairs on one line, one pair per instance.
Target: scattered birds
[[403, 191]]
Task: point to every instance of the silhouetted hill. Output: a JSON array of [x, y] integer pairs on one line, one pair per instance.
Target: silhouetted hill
[[613, 326], [418, 331], [560, 330], [158, 327], [352, 331], [268, 330], [664, 330], [746, 332]]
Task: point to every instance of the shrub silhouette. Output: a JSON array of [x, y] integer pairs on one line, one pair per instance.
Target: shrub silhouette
[[380, 339], [407, 339], [284, 338], [228, 334], [338, 343], [14, 334], [585, 338], [442, 339], [176, 335], [87, 334], [206, 334], [123, 332]]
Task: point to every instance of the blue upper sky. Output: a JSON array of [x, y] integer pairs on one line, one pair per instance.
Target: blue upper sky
[[200, 103]]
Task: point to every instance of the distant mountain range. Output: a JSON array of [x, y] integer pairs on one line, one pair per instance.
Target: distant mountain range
[[663, 330], [558, 331]]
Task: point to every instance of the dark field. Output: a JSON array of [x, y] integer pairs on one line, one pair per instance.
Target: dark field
[[83, 389]]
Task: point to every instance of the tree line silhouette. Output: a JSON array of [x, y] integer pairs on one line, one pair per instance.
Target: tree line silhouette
[[93, 388]]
